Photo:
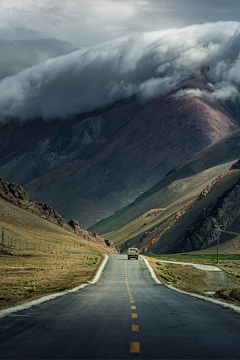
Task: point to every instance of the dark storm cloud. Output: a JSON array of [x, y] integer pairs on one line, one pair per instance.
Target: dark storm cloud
[[18, 55], [149, 64], [89, 22]]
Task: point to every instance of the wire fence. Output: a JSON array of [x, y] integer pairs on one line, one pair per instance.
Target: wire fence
[[44, 245]]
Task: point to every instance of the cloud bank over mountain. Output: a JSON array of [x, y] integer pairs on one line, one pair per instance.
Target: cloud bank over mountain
[[20, 54], [147, 64]]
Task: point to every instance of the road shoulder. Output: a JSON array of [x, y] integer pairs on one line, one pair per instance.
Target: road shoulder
[[202, 297], [27, 305]]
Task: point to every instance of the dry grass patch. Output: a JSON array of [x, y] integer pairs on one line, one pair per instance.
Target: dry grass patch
[[187, 278], [39, 257], [225, 284], [27, 277]]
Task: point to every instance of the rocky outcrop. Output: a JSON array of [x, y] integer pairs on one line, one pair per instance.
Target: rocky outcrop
[[204, 193], [13, 193], [204, 231], [229, 294], [17, 195], [111, 244], [236, 165]]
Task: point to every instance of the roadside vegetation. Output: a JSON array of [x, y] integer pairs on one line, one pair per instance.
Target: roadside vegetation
[[28, 276], [223, 285], [39, 257]]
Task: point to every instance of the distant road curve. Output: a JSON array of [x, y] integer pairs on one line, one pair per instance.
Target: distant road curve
[[124, 315], [198, 266]]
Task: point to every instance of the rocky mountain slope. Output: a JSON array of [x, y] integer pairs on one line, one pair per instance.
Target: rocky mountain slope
[[221, 211], [163, 212], [17, 195], [195, 226], [89, 166]]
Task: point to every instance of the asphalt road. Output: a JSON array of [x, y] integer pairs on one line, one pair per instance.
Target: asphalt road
[[125, 315]]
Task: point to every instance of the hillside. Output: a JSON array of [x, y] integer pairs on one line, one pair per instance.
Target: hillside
[[38, 256], [17, 195], [142, 222], [195, 228], [217, 205], [91, 165], [26, 231]]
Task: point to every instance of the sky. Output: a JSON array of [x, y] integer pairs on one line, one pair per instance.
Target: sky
[[107, 50], [89, 22]]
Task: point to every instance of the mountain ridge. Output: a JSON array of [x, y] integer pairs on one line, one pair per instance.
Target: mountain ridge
[[94, 164], [224, 151], [144, 221], [18, 196]]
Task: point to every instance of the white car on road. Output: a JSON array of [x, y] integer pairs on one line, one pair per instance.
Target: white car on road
[[132, 253]]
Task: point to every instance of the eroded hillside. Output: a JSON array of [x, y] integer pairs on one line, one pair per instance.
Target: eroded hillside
[[15, 194], [156, 219], [91, 165]]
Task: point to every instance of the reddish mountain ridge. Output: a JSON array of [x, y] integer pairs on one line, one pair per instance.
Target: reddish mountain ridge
[[91, 165]]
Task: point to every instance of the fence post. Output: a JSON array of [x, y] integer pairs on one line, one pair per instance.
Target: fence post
[[217, 227], [3, 235]]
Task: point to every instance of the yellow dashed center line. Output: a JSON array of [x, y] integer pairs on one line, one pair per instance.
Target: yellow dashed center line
[[135, 327], [134, 347], [134, 316]]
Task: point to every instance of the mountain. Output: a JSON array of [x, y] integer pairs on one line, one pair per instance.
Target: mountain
[[91, 165], [16, 195], [217, 206], [158, 219], [194, 228]]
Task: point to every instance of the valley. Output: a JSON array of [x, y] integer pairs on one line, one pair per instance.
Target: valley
[[92, 164], [119, 135], [158, 219], [157, 175]]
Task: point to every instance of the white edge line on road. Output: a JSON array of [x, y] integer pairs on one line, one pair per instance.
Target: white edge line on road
[[152, 273], [229, 306], [100, 270], [41, 300]]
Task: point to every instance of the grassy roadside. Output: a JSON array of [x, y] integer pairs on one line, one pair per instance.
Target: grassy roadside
[[28, 276], [39, 257], [223, 286]]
